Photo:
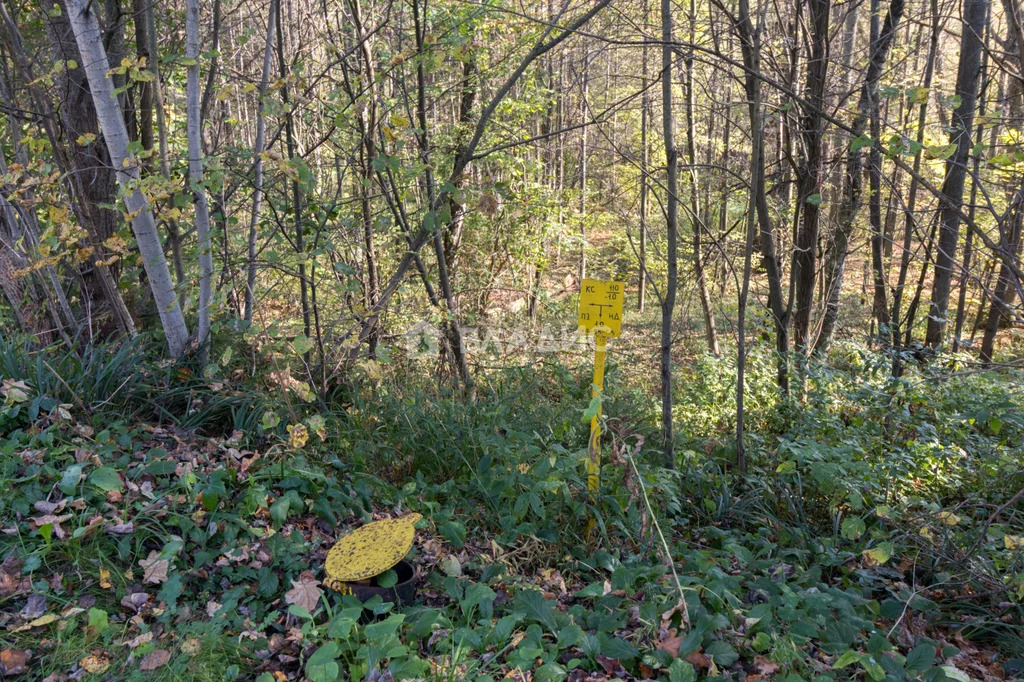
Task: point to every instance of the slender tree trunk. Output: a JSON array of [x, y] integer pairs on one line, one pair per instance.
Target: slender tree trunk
[[173, 235], [671, 228], [809, 176], [584, 113], [87, 34], [697, 221], [910, 221], [645, 162], [1006, 285], [753, 88], [258, 148], [836, 266], [194, 125], [454, 333], [368, 152], [975, 13], [880, 305], [916, 301], [961, 307], [750, 44], [296, 196]]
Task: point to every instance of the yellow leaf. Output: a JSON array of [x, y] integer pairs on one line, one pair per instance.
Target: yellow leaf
[[948, 518], [298, 435], [85, 140], [116, 244], [94, 665], [105, 579], [1013, 541], [39, 622]]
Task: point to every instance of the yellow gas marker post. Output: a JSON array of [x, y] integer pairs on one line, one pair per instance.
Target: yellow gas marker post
[[600, 315]]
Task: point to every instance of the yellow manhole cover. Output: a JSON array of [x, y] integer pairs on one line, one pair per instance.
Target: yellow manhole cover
[[369, 551]]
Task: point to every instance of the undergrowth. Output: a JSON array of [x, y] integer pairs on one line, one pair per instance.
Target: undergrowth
[[167, 513]]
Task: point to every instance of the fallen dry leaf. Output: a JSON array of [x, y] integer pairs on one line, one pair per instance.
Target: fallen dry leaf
[[765, 666], [144, 638], [155, 568], [58, 531], [671, 643], [105, 579], [156, 659], [34, 607], [37, 623], [697, 659], [14, 661], [305, 592], [94, 665]]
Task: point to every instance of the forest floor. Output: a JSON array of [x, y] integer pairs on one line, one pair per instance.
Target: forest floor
[[159, 525]]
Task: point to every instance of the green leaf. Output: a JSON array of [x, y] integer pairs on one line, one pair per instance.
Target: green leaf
[[848, 657], [46, 530], [279, 510], [873, 668], [724, 653], [879, 554], [995, 424], [921, 657], [69, 481], [861, 142], [454, 532], [592, 409], [616, 647], [98, 619], [681, 671], [814, 200], [853, 527], [533, 604], [322, 666], [171, 590], [387, 579], [940, 151], [786, 467]]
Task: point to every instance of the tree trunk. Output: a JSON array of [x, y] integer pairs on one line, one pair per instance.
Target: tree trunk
[[880, 305], [750, 44], [753, 88], [836, 265], [809, 176], [194, 128], [910, 222], [645, 162], [87, 34], [697, 222], [258, 146], [1006, 285], [975, 13], [671, 228]]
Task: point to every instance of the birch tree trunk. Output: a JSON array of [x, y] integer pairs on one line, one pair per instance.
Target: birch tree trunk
[[115, 134], [194, 126]]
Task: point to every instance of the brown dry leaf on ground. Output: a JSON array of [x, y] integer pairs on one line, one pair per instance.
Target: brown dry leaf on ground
[[14, 661], [155, 568], [305, 592], [670, 643], [156, 659], [765, 666]]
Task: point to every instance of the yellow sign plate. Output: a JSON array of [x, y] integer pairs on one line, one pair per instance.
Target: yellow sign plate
[[601, 307]]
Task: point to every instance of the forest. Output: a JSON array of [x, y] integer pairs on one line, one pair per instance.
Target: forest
[[537, 341]]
